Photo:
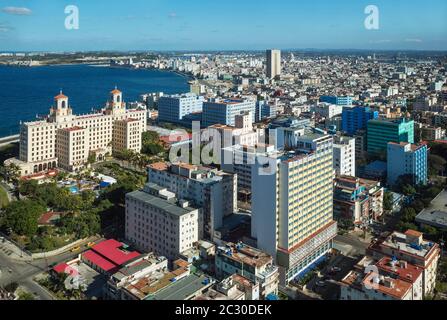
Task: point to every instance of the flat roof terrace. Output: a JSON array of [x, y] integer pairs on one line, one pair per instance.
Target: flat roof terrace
[[436, 214]]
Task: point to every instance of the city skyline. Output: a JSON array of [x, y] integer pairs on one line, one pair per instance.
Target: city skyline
[[203, 25]]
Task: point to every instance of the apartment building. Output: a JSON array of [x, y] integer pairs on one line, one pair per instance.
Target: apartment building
[[412, 248], [432, 133], [407, 159], [156, 221], [248, 262], [224, 111], [173, 108], [384, 279], [241, 133], [74, 137], [328, 110], [344, 156], [135, 269], [292, 204], [210, 189]]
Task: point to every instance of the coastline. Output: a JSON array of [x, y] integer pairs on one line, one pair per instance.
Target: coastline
[[99, 65], [143, 84]]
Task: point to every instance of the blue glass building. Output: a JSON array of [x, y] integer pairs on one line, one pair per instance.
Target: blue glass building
[[356, 118]]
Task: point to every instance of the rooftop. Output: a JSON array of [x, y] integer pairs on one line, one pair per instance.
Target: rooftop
[[436, 214], [246, 254], [169, 206], [183, 288], [398, 241], [109, 255]]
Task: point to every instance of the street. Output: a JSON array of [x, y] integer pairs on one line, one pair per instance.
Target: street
[[23, 272]]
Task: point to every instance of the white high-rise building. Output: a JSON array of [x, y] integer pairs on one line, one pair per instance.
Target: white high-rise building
[[66, 140], [214, 191], [344, 156], [158, 222], [292, 204], [273, 63]]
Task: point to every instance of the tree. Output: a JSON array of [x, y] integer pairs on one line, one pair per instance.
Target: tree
[[28, 187], [437, 164], [26, 296], [408, 215], [408, 190], [388, 201], [22, 216]]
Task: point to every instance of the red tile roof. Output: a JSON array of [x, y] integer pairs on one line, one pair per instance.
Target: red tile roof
[[99, 261], [110, 249]]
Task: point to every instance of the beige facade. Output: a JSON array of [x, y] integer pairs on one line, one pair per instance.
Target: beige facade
[[43, 142], [71, 148]]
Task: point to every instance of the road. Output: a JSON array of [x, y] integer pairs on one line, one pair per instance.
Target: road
[[23, 272], [358, 247]]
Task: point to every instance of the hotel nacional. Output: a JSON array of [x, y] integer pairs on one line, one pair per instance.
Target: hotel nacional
[[63, 140]]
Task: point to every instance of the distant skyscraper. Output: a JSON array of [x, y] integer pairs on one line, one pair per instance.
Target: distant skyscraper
[[273, 63]]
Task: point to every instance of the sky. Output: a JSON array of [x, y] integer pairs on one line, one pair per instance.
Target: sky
[[39, 25]]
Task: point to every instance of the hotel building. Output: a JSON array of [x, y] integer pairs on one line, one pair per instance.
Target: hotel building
[[66, 140], [292, 209]]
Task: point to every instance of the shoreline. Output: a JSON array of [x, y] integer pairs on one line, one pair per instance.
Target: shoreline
[[99, 65], [10, 137]]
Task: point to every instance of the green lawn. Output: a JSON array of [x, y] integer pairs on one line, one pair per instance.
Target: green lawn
[[3, 198]]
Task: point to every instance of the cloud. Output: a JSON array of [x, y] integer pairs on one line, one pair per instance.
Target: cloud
[[172, 15], [413, 40], [17, 11]]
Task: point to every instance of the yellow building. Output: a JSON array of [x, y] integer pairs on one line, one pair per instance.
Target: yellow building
[[292, 204]]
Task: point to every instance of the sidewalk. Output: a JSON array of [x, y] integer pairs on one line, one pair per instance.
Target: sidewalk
[[13, 251]]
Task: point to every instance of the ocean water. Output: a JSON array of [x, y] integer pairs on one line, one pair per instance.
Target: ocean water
[[27, 92]]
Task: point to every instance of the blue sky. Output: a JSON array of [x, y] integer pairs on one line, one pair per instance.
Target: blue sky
[[222, 25]]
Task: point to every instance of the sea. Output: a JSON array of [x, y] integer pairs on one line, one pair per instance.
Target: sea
[[28, 92]]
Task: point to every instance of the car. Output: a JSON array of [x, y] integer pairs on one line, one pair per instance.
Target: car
[[90, 244], [75, 249], [320, 283], [336, 269]]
